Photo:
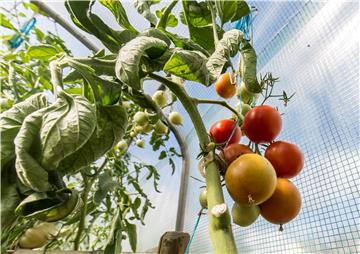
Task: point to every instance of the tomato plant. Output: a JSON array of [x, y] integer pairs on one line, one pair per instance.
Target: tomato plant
[[262, 124], [286, 158], [223, 129], [83, 174]]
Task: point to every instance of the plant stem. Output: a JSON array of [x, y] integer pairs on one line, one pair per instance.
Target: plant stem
[[84, 196], [216, 38], [12, 82], [221, 103], [162, 21], [56, 77], [220, 228]]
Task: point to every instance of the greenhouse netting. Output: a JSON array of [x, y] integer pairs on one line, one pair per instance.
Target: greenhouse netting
[[139, 183]]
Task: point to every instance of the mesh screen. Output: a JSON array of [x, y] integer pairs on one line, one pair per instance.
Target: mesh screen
[[315, 52]]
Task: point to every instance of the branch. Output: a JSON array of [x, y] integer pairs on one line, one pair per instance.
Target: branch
[[221, 103], [216, 38]]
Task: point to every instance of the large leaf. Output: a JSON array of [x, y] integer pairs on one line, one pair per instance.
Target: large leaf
[[127, 66], [65, 129], [110, 128], [42, 52], [10, 123], [143, 7], [185, 43], [198, 19], [119, 12], [156, 52], [227, 47], [49, 207], [190, 65], [81, 15], [247, 68], [231, 10]]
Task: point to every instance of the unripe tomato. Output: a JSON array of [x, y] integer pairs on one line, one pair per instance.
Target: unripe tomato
[[122, 145], [233, 151], [176, 118], [244, 95], [245, 108], [284, 205], [141, 118], [250, 179], [221, 131], [139, 129], [262, 124], [160, 98], [244, 215], [147, 128], [160, 128], [286, 158], [38, 236], [126, 104], [132, 134], [225, 86], [140, 143], [203, 199]]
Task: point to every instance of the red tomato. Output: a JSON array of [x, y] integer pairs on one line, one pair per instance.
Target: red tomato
[[286, 158], [262, 124], [222, 130], [234, 151]]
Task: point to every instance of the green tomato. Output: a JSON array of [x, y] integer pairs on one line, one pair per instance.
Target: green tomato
[[203, 199], [140, 143], [244, 95], [176, 118], [160, 98], [245, 108], [138, 129], [160, 128], [38, 236], [147, 128], [126, 104], [141, 118], [122, 145], [244, 215], [132, 134]]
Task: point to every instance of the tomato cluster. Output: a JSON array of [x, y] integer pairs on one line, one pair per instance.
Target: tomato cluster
[[258, 183]]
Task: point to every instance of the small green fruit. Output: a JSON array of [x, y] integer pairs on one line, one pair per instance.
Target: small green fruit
[[160, 98], [122, 145], [147, 128], [245, 108], [244, 95], [244, 215], [203, 199], [139, 129], [176, 118], [133, 134], [160, 128], [126, 104], [141, 118], [140, 143]]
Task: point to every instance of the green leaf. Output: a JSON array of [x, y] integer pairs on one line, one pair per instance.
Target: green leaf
[[105, 185], [5, 22], [247, 68], [131, 232], [113, 244], [119, 12], [230, 10], [171, 20], [42, 52], [227, 47], [127, 66], [156, 52], [143, 7], [81, 15], [110, 127], [65, 129], [162, 155], [185, 43], [11, 121], [198, 19], [190, 65]]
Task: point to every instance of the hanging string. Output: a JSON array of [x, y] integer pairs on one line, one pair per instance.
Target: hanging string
[[193, 233]]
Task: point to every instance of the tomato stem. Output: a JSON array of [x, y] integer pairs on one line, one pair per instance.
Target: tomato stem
[[220, 228], [221, 103]]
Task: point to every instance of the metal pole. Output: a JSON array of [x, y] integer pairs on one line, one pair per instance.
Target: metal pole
[[69, 27]]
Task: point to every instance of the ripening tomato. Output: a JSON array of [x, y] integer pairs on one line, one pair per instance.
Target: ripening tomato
[[221, 131], [284, 205], [262, 124], [250, 179], [286, 158], [233, 151], [225, 86]]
